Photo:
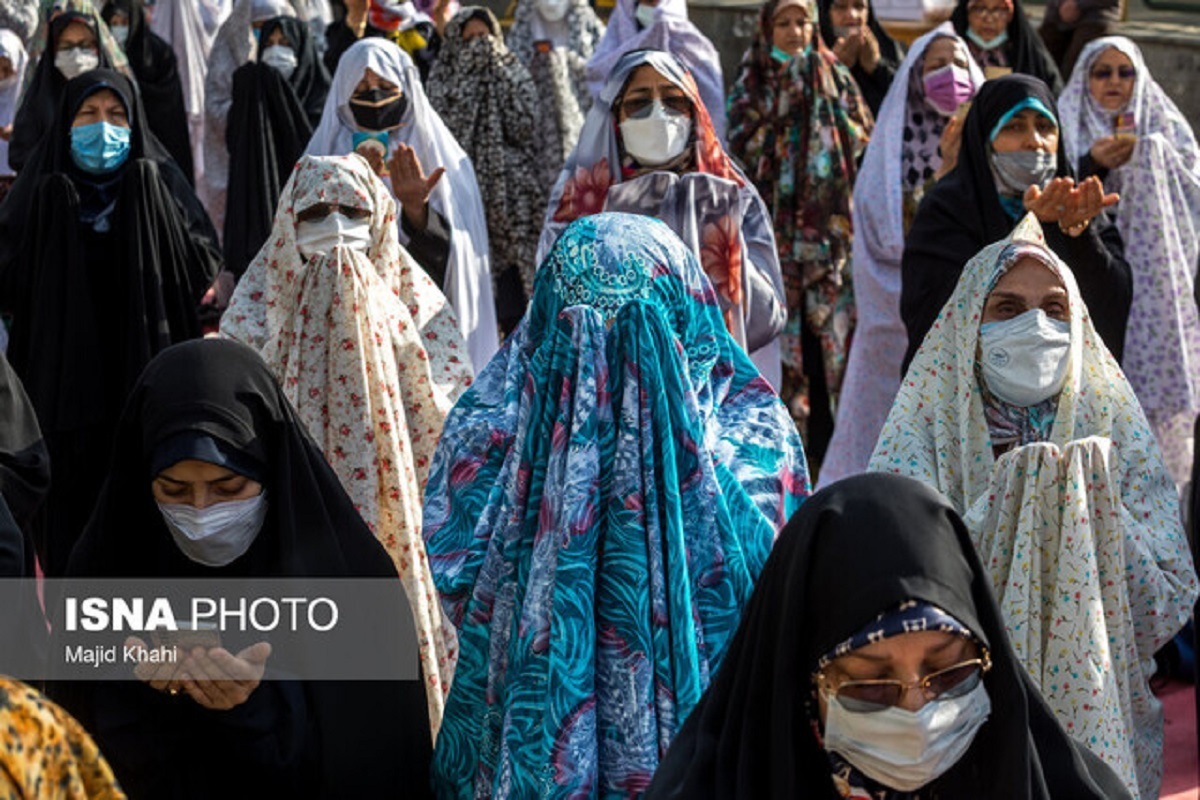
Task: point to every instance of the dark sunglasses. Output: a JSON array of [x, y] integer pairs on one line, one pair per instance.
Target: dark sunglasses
[[640, 106], [1104, 73], [866, 697]]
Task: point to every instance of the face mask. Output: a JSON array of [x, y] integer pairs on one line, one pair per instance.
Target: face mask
[[553, 10], [782, 56], [217, 535], [282, 58], [644, 15], [840, 31], [377, 110], [657, 137], [948, 87], [1024, 359], [904, 749], [76, 61], [120, 33], [99, 147], [1018, 170], [987, 44], [318, 237]]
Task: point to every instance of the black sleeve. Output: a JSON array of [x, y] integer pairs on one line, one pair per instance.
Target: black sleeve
[[1097, 258], [1088, 167], [875, 85], [431, 247], [338, 39]]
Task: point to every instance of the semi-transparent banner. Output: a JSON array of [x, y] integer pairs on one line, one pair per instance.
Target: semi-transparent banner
[[103, 629]]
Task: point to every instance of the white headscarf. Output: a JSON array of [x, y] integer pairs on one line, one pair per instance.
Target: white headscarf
[[1080, 533], [10, 92], [456, 196], [671, 32], [873, 372], [1159, 221], [367, 350]]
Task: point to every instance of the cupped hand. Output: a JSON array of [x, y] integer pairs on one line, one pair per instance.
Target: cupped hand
[[219, 680]]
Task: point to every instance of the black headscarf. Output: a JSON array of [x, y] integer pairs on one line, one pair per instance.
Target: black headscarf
[[156, 69], [854, 550], [270, 123], [329, 739], [1027, 54], [40, 101], [875, 85], [24, 462], [90, 309], [962, 214]]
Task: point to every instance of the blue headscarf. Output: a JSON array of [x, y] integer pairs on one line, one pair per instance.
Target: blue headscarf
[[599, 507]]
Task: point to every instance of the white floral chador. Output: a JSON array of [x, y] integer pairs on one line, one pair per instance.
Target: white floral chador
[[368, 351], [1079, 531]]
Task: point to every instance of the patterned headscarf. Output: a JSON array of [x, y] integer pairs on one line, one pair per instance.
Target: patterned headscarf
[[368, 351], [488, 101], [1159, 221], [1080, 533], [601, 502]]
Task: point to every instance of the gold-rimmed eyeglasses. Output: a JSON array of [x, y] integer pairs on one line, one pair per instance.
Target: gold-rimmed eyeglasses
[[865, 697]]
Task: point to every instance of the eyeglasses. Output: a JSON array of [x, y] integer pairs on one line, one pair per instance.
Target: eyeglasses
[[866, 697], [640, 106], [322, 210], [1104, 73], [985, 13]]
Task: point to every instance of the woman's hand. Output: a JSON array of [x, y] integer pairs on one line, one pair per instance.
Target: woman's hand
[[846, 48], [1071, 206], [6, 133], [221, 290], [1113, 151], [219, 680], [411, 186], [162, 677], [949, 145], [868, 51], [356, 17]]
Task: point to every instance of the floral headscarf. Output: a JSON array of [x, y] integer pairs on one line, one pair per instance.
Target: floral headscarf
[[368, 351], [1159, 221]]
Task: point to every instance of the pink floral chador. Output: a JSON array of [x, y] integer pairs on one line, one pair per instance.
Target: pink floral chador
[[368, 351]]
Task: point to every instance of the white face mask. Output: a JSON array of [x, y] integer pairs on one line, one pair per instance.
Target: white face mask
[[904, 749], [217, 535], [644, 15], [319, 237], [1024, 359], [281, 57], [553, 10], [657, 137], [120, 33], [76, 61]]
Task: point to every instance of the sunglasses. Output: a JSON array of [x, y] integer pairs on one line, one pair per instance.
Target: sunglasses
[[640, 106], [322, 210], [1104, 73], [866, 697]]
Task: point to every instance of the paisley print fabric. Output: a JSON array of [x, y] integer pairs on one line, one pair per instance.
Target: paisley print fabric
[[1159, 220], [369, 352], [1080, 532], [601, 502]]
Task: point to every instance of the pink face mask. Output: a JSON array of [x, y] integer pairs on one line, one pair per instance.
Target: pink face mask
[[948, 87]]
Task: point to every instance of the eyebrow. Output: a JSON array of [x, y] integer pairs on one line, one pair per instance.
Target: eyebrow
[[222, 479]]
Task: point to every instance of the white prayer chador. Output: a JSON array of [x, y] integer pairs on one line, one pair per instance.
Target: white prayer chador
[[456, 196], [880, 339], [1080, 532], [671, 32], [190, 27], [1159, 220], [368, 351], [10, 90]]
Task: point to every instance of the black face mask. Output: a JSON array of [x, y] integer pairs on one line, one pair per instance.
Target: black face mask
[[378, 109]]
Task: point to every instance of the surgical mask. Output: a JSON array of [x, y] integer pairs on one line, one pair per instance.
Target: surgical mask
[[1024, 360], [657, 137], [99, 147], [782, 56], [948, 87], [1016, 171], [219, 534], [988, 44], [120, 33], [378, 109], [841, 31], [905, 749], [76, 61], [644, 15], [280, 57], [318, 237], [553, 10]]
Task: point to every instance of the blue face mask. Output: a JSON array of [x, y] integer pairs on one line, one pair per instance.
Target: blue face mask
[[783, 57], [99, 147], [987, 44]]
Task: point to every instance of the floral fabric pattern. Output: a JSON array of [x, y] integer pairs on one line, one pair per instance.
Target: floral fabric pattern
[[368, 351], [1159, 220], [799, 129], [601, 502], [1080, 533]]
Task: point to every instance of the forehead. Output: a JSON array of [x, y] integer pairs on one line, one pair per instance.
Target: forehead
[[791, 14], [1111, 56], [102, 97], [76, 31], [646, 78], [1030, 277], [942, 48], [907, 647]]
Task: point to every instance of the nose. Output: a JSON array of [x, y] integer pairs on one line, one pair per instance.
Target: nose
[[201, 498], [913, 699]]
